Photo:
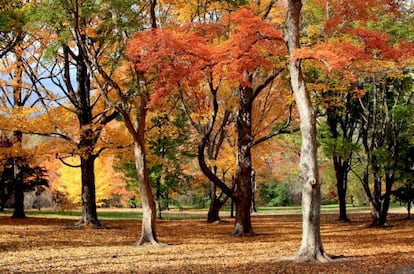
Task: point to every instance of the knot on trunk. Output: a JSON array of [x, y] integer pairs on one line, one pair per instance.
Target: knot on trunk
[[312, 182]]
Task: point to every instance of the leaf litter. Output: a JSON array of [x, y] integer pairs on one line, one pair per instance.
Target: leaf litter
[[45, 245]]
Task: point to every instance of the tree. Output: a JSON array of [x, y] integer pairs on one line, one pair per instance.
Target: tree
[[405, 194], [19, 97], [311, 248], [339, 140], [11, 24], [69, 179], [245, 68], [67, 72], [356, 45], [384, 131], [123, 87], [169, 148]]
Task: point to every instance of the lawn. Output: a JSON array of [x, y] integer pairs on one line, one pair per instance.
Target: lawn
[[49, 244]]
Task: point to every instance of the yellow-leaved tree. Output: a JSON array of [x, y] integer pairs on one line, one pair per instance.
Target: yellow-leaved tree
[[109, 182]]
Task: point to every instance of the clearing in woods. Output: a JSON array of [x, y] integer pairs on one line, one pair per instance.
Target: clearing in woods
[[46, 245]]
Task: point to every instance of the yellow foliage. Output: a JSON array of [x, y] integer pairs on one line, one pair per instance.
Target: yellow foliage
[[107, 180]]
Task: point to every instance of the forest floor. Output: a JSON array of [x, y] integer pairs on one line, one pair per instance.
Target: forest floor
[[53, 245]]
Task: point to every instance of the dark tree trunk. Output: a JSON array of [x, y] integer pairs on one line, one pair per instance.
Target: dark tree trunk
[[213, 214], [341, 186], [89, 213], [215, 206], [158, 198], [341, 164], [243, 186], [18, 212], [389, 180]]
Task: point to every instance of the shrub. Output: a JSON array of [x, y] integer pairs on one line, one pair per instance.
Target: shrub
[[275, 193]]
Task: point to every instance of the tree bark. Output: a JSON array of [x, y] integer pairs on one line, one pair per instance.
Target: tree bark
[[89, 212], [18, 136], [341, 165], [18, 183], [148, 232], [341, 186], [243, 186], [311, 248], [215, 205]]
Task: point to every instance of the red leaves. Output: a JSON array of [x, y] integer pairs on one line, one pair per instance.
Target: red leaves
[[335, 54], [362, 46], [169, 57], [345, 13], [187, 56]]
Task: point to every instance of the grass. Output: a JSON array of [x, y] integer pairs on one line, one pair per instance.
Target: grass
[[173, 214]]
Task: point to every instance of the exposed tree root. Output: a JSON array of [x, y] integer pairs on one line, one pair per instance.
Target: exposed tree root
[[315, 258], [81, 224], [241, 233], [154, 244], [319, 257]]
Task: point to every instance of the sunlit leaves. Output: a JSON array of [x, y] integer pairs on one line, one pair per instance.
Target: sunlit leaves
[[185, 57], [108, 182]]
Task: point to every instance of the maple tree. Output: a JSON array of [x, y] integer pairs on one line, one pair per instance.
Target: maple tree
[[244, 69]]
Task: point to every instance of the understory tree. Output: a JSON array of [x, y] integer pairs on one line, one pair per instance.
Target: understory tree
[[385, 125]]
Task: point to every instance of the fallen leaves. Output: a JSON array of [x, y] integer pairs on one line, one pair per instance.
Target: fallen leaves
[[48, 245]]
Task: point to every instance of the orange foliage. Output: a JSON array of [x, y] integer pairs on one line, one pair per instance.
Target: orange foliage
[[183, 58], [345, 13]]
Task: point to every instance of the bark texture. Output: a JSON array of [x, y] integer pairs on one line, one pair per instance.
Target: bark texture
[[243, 186], [18, 183], [89, 213], [148, 232], [342, 164], [311, 248]]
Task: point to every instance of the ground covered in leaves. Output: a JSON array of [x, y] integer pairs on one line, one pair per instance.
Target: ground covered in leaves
[[52, 245]]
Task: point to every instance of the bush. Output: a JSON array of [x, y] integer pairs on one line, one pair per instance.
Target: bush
[[275, 194]]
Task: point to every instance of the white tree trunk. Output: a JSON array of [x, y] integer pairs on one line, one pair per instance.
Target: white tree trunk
[[311, 248]]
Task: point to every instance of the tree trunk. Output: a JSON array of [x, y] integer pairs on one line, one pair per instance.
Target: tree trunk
[[148, 232], [341, 186], [158, 198], [89, 213], [243, 186], [341, 164], [311, 248], [389, 180], [18, 212], [214, 209]]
